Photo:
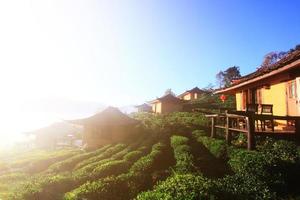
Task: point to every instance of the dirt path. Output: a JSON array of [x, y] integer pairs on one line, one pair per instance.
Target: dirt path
[[206, 163]]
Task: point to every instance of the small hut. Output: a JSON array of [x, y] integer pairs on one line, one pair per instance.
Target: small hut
[[144, 108], [106, 127], [192, 94], [166, 104]]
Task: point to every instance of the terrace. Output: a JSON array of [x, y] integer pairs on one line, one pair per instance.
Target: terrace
[[256, 120]]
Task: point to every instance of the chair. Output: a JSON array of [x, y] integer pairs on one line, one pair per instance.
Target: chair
[[253, 108], [267, 109]]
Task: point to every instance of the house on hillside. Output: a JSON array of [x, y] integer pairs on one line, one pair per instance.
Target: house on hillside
[[192, 94], [273, 90], [106, 127], [56, 135], [277, 86], [143, 108], [166, 104]]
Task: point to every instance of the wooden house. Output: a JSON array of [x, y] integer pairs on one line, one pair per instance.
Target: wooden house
[[55, 135], [192, 94], [267, 103], [277, 87], [144, 108], [108, 126], [166, 104]]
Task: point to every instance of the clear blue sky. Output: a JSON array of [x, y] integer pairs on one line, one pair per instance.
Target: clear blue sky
[[182, 44]]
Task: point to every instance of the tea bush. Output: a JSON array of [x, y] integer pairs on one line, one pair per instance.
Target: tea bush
[[182, 154], [107, 153], [124, 186], [179, 187], [217, 147], [69, 163]]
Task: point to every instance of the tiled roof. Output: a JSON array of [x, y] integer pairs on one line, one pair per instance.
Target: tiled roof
[[109, 116], [291, 57]]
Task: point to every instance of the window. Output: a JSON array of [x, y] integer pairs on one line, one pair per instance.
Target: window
[[292, 90]]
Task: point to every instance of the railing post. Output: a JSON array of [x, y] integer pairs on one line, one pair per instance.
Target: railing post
[[250, 133], [228, 133], [213, 128], [297, 130]]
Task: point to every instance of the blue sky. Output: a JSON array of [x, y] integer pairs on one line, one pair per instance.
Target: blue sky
[[182, 44], [126, 52]]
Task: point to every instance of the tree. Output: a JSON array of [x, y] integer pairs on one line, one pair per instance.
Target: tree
[[272, 58], [169, 91], [224, 78]]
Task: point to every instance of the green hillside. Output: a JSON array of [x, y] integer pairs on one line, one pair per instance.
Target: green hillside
[[173, 158]]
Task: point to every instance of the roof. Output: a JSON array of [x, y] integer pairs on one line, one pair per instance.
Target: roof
[[111, 116], [166, 98], [144, 105], [56, 129], [194, 90], [290, 61]]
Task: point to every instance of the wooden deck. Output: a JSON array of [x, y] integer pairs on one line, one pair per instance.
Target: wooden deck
[[252, 124]]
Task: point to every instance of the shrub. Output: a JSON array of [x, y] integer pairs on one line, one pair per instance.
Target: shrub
[[133, 156], [106, 154], [217, 147], [124, 186], [275, 163], [182, 154], [198, 133], [242, 187], [146, 163], [69, 163], [111, 168], [178, 187]]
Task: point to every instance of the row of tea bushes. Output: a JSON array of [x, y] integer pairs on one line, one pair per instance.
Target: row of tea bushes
[[273, 167], [41, 160], [217, 147], [182, 154], [124, 186], [106, 154], [53, 186], [69, 163]]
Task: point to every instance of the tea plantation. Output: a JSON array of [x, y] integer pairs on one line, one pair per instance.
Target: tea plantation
[[172, 159]]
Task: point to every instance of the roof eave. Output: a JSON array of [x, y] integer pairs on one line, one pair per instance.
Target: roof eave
[[272, 73]]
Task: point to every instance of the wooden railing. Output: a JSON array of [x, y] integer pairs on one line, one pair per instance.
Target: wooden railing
[[245, 122]]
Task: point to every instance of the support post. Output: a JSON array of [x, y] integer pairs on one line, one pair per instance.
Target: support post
[[297, 130], [213, 128], [228, 133], [250, 133]]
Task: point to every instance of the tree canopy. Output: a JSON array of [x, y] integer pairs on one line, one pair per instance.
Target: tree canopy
[[224, 78]]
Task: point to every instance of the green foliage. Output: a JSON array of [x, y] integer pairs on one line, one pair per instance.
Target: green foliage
[[69, 163], [41, 160], [124, 186], [242, 187], [179, 187], [146, 163], [182, 154], [102, 155], [199, 133], [217, 147], [275, 164], [133, 156], [12, 177], [176, 121]]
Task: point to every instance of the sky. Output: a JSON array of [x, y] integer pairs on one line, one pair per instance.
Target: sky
[[107, 52]]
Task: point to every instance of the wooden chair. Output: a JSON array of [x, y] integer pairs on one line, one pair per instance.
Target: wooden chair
[[267, 109], [253, 108]]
